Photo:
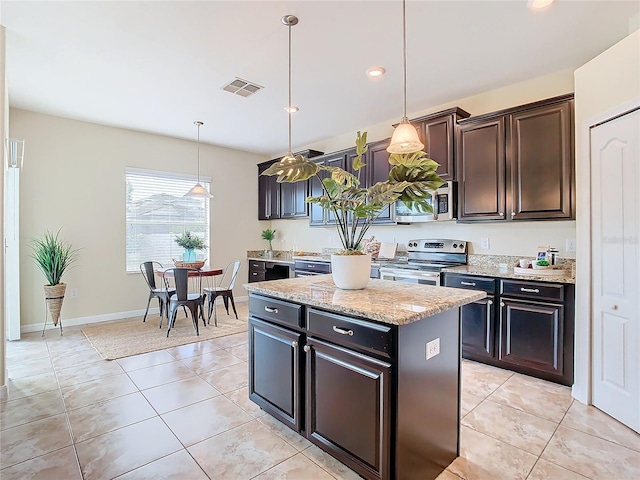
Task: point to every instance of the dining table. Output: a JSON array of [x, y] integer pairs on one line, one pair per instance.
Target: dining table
[[206, 271]]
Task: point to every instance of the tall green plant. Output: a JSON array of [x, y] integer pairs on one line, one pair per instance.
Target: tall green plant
[[412, 179], [53, 256], [269, 235]]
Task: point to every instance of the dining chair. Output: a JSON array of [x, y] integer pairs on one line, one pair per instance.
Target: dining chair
[[224, 289], [188, 293], [162, 293]]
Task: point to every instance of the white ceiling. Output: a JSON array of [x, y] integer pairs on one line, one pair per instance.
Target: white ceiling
[[158, 66]]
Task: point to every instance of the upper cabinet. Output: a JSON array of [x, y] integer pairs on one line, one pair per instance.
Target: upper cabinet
[[517, 164], [437, 132], [317, 215], [282, 200]]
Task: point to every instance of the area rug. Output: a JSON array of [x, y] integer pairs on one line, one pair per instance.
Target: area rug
[[128, 337]]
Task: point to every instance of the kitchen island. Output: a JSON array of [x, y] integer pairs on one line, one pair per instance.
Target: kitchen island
[[370, 376]]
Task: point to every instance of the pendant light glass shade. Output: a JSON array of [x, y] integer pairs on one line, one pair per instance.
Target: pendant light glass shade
[[405, 137], [198, 191]]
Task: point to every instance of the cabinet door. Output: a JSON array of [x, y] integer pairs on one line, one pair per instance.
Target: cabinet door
[[478, 328], [438, 144], [268, 195], [541, 162], [531, 335], [292, 200], [317, 215], [274, 375], [378, 169], [355, 428], [481, 172]]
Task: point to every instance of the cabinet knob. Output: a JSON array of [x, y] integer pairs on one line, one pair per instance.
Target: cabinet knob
[[502, 304], [489, 302], [294, 344], [513, 214], [614, 307], [306, 348], [502, 214]]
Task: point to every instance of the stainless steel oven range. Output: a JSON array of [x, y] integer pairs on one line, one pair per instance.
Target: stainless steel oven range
[[425, 260]]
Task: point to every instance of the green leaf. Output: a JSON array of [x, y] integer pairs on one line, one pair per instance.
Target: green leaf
[[361, 149], [292, 169]]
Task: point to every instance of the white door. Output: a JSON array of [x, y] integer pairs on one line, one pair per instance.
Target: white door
[[615, 210]]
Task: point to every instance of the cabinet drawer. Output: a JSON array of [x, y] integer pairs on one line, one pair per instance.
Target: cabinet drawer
[[471, 283], [532, 290], [256, 266], [277, 311], [350, 332], [316, 267], [256, 276]]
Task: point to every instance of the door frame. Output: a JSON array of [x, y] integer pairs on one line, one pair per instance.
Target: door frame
[[582, 387]]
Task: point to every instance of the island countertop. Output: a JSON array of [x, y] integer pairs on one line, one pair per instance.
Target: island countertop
[[394, 303]]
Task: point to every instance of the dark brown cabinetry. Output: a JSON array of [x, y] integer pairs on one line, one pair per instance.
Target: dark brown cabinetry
[[317, 215], [282, 200], [355, 388], [437, 132], [516, 164], [259, 271], [531, 332]]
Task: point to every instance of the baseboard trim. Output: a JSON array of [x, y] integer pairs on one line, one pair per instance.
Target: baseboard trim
[[74, 322]]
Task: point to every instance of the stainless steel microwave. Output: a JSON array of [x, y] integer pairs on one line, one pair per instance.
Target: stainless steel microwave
[[443, 201]]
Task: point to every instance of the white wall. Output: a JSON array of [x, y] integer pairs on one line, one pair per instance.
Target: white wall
[[606, 82], [73, 178], [508, 238]]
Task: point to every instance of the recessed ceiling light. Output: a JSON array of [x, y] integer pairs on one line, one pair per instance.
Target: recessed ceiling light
[[291, 109], [375, 72], [538, 4]]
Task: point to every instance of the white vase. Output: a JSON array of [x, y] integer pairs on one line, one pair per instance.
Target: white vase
[[351, 272]]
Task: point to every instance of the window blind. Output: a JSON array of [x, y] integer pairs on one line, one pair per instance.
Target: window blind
[[157, 211]]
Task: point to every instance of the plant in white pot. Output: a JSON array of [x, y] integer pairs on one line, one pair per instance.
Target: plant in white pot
[[412, 179], [54, 257]]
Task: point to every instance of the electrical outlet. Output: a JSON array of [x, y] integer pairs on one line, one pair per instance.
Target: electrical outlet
[[433, 348], [484, 243], [73, 293], [570, 245]]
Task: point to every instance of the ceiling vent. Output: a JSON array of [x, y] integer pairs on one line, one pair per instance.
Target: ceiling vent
[[242, 87]]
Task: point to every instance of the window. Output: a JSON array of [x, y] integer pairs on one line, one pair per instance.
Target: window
[[157, 211]]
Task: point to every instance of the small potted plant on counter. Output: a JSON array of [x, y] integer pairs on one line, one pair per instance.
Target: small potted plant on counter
[[269, 235], [412, 179]]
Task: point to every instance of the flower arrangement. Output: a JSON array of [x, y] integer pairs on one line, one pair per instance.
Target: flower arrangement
[[190, 241], [412, 178]]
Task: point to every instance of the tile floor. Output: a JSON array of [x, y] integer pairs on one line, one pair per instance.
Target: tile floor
[[183, 413]]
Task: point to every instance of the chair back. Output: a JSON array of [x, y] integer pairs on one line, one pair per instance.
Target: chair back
[[228, 279], [148, 270], [186, 281]]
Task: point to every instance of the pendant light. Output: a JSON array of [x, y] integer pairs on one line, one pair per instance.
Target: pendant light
[[198, 191], [289, 21], [405, 137]]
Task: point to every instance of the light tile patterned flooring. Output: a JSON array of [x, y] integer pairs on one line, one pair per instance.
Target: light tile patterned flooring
[[183, 413]]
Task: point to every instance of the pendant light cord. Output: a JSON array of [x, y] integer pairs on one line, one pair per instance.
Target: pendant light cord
[[289, 106], [404, 59], [198, 124]]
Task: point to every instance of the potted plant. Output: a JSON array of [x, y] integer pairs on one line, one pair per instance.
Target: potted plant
[[412, 179], [54, 257], [190, 242], [269, 235]]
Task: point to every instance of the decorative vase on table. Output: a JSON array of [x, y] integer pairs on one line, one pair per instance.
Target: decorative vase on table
[[351, 272], [189, 255]]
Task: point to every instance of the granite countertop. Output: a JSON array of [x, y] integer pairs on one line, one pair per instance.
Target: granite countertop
[[395, 303], [493, 271]]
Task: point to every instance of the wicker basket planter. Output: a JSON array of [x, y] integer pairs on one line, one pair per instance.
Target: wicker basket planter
[[197, 264], [54, 295]]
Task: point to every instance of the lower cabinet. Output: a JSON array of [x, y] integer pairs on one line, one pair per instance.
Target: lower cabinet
[[531, 332], [354, 427]]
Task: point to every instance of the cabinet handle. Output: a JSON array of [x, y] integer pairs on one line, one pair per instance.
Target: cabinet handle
[[294, 344], [306, 348], [270, 309], [489, 302], [255, 274], [502, 304], [470, 284], [529, 290], [343, 331], [502, 214], [513, 214]]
